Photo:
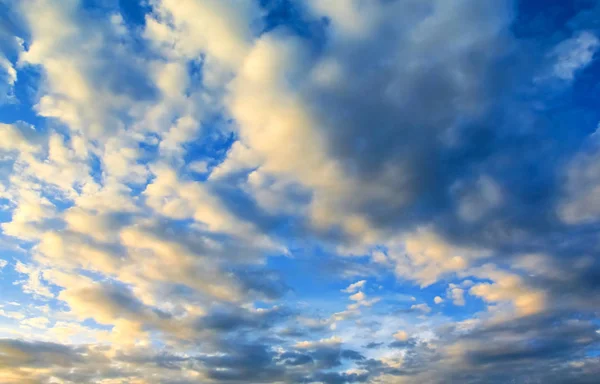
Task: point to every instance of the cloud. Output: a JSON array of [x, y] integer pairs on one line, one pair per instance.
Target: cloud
[[34, 283], [424, 256], [36, 322], [318, 343], [358, 296], [574, 54], [508, 287], [11, 46], [233, 319], [334, 167], [582, 180], [401, 336], [16, 352], [355, 286], [17, 137], [84, 89], [456, 294], [208, 26], [479, 198], [423, 308]]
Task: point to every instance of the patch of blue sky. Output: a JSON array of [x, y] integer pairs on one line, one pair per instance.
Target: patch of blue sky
[[9, 276], [543, 19], [22, 108], [211, 146], [292, 16], [134, 12]]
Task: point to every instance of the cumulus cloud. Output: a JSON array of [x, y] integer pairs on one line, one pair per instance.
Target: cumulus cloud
[[35, 322], [358, 296], [457, 294], [401, 336], [15, 137], [355, 286], [581, 186]]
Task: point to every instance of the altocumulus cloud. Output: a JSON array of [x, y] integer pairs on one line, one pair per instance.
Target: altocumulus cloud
[[285, 191]]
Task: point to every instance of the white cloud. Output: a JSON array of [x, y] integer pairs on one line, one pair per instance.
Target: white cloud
[[574, 54], [355, 286], [36, 322], [83, 88], [31, 213], [239, 157], [34, 283], [184, 130], [359, 296], [456, 294], [8, 74], [353, 19], [423, 307], [379, 257], [581, 199], [10, 71], [198, 167], [69, 331], [424, 256], [401, 336], [12, 315], [332, 341], [100, 226], [510, 288], [207, 26], [14, 139]]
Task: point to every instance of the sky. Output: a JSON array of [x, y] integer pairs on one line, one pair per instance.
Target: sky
[[299, 191]]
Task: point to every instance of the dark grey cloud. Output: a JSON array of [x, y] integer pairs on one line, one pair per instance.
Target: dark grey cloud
[[242, 362], [295, 358], [553, 347], [18, 353], [402, 344], [229, 319], [340, 378], [550, 337], [262, 282], [351, 355], [162, 359]]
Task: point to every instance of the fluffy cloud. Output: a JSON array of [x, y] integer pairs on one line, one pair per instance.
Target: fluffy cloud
[[401, 336], [355, 286], [582, 186], [575, 54]]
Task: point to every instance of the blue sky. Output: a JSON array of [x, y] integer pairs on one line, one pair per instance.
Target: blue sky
[[286, 191]]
